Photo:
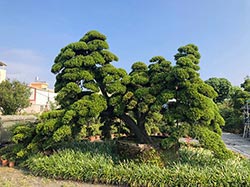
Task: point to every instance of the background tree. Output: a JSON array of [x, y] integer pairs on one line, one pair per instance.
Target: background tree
[[231, 101], [234, 119], [14, 96], [246, 84], [222, 86]]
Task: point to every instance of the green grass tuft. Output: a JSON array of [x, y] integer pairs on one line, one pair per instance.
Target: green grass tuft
[[96, 163]]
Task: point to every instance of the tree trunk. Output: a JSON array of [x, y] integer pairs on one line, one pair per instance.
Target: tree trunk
[[139, 131], [106, 129]]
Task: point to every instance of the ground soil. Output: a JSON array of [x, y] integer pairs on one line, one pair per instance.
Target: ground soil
[[13, 177]]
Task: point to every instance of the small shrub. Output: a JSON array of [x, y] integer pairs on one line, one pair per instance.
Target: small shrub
[[170, 143], [212, 141], [151, 156]]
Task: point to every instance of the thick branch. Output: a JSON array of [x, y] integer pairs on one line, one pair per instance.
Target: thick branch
[[103, 90], [139, 131]]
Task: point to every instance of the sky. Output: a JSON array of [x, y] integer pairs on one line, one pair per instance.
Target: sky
[[33, 32]]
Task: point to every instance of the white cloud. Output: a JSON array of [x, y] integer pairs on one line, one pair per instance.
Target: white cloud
[[25, 65]]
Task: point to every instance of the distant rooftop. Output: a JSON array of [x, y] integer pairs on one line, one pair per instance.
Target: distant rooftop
[[2, 64]]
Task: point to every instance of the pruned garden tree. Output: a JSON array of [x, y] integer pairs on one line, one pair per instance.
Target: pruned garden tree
[[194, 98], [194, 108], [90, 87], [14, 96], [146, 93]]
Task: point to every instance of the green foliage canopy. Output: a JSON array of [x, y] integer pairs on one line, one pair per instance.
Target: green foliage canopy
[[194, 98], [246, 84], [90, 87], [84, 69], [14, 96], [222, 86]]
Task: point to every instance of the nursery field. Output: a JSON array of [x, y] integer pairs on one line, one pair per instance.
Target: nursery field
[[97, 164], [153, 106]]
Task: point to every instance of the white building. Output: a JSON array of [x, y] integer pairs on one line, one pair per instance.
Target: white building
[[2, 72], [41, 99]]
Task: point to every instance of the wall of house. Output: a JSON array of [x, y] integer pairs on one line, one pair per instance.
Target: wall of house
[[39, 84], [40, 100], [2, 75]]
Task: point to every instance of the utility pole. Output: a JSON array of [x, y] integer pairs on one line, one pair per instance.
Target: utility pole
[[246, 133]]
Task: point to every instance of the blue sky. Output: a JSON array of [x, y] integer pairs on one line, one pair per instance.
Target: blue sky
[[33, 32]]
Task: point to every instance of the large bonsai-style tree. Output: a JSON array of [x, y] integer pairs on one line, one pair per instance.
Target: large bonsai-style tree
[[90, 87]]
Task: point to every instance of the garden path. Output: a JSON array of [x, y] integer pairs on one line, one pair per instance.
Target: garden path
[[236, 143]]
